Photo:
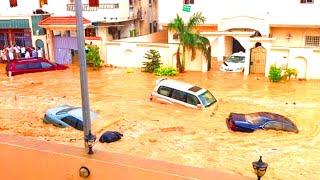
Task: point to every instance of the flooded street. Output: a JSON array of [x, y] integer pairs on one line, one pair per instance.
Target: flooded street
[[173, 133]]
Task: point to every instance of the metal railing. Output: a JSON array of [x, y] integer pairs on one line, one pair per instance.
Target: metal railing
[[86, 7]]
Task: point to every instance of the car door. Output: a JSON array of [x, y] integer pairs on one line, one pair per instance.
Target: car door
[[180, 97], [163, 94]]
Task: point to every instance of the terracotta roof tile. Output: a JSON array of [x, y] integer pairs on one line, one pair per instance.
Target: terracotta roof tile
[[62, 20]]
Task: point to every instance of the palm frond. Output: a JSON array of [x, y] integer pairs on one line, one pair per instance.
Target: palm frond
[[195, 19]]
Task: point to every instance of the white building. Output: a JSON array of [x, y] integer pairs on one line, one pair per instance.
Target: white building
[[290, 31]]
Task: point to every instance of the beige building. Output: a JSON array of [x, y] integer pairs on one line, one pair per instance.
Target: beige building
[[285, 33]]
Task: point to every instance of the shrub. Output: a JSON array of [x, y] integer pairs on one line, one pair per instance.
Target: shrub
[[290, 72], [274, 73], [93, 57], [153, 61], [165, 71]]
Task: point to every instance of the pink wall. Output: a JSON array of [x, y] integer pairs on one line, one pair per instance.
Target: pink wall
[[25, 158]]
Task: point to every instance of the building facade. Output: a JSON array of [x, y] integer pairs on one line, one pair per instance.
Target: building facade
[[285, 33], [111, 20]]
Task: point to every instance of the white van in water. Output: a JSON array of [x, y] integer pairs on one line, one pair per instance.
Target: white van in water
[[235, 63], [176, 92]]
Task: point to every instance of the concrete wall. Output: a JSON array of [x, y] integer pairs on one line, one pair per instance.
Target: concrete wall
[[29, 159], [132, 55]]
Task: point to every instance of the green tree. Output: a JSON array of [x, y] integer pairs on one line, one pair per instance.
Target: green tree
[[189, 37], [153, 61], [93, 57]]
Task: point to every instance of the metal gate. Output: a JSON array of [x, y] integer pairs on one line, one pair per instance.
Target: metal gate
[[258, 60], [63, 46]]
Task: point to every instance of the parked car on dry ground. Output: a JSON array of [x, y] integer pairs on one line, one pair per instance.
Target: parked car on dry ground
[[176, 92], [30, 65], [260, 120], [65, 116]]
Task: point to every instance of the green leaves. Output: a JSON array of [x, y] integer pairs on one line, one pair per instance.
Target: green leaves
[[165, 71], [153, 61], [93, 56]]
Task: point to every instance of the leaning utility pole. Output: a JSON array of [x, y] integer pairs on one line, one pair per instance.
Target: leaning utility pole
[[83, 71]]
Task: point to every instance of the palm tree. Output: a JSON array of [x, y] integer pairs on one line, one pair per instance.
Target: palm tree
[[189, 37]]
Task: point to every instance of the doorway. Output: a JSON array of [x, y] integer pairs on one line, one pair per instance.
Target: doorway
[[258, 59]]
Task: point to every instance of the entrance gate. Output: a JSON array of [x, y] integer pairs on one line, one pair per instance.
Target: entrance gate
[[258, 60]]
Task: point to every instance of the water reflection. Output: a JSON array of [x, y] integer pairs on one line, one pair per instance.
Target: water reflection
[[174, 133]]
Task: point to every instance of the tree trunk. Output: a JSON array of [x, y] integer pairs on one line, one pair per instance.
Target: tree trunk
[[183, 65], [178, 59]]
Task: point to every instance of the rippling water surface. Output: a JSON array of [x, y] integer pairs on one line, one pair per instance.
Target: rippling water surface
[[173, 133]]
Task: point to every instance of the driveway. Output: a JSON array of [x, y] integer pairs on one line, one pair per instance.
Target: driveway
[[173, 133]]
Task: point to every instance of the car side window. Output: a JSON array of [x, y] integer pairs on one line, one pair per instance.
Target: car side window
[[21, 66], [273, 125], [34, 65], [71, 121], [79, 125], [193, 100], [46, 65], [165, 91], [179, 95]]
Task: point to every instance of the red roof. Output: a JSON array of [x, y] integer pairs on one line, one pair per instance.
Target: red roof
[[62, 20]]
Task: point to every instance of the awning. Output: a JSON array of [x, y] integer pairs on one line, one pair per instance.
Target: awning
[[62, 22], [14, 24]]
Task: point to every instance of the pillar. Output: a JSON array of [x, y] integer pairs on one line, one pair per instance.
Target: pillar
[[247, 61]]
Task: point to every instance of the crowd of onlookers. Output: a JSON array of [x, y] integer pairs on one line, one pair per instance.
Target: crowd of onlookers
[[15, 52]]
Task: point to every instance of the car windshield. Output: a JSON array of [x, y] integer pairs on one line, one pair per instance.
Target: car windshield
[[236, 59], [207, 99], [63, 111]]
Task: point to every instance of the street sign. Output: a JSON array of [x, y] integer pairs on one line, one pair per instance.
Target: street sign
[[186, 8]]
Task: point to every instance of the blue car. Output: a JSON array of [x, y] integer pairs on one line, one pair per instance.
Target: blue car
[[260, 120], [65, 116]]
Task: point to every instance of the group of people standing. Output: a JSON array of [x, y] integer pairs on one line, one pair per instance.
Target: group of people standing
[[15, 52]]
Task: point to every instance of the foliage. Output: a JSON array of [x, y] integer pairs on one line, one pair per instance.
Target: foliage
[[129, 70], [189, 38], [274, 73], [153, 61], [133, 33], [290, 72], [93, 57], [165, 71]]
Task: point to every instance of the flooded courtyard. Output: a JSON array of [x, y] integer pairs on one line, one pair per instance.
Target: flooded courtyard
[[173, 133]]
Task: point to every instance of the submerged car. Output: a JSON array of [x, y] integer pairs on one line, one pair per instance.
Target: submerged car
[[235, 63], [175, 92], [260, 120], [31, 65], [66, 116]]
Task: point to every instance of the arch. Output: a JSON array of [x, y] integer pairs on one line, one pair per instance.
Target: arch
[[300, 63], [39, 43]]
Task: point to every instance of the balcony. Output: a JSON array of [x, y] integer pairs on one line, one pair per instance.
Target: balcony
[[86, 7]]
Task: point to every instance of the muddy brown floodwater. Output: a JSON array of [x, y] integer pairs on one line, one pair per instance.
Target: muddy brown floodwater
[[173, 133]]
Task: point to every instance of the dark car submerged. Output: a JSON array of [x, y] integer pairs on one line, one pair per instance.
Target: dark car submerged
[[260, 120]]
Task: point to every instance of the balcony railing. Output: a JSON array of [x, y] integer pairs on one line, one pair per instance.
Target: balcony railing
[[86, 7]]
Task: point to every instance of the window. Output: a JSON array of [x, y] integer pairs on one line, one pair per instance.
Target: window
[[273, 125], [13, 3], [207, 99], [188, 1], [90, 32], [306, 1], [35, 65], [150, 27], [193, 100], [312, 41], [42, 2], [46, 65], [22, 66], [179, 95], [73, 122], [165, 91]]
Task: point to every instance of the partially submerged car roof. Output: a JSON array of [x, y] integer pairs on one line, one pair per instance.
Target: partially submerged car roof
[[182, 86]]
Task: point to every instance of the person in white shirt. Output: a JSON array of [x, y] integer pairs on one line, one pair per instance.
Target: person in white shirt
[[23, 51], [40, 52], [27, 55]]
